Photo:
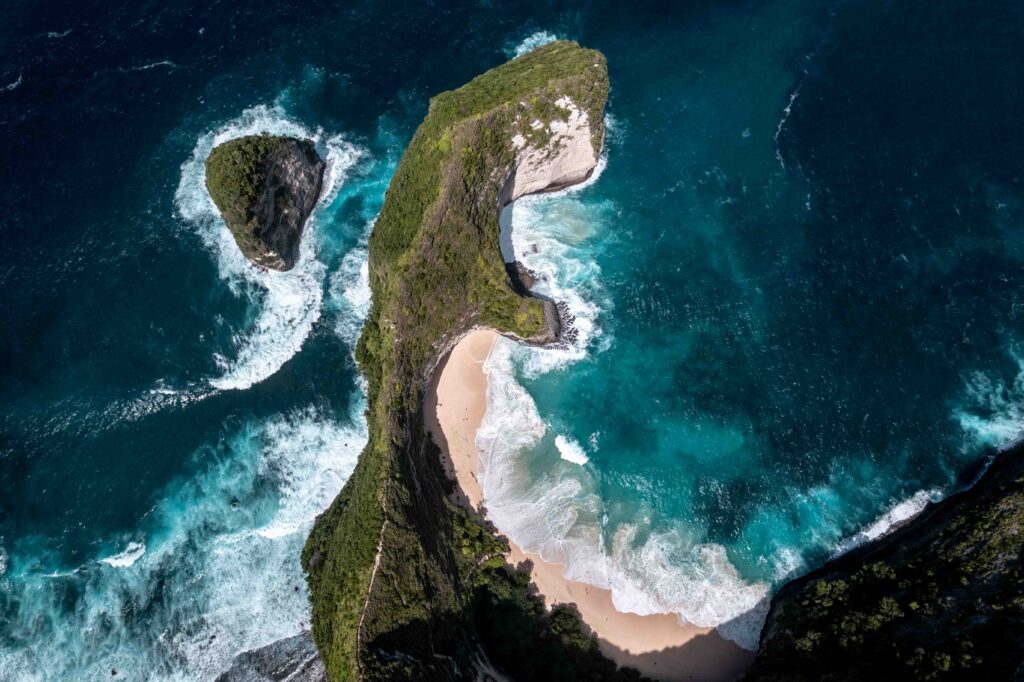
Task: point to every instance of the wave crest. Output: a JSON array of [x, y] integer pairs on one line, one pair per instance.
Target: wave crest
[[219, 572], [530, 43], [132, 553], [993, 410], [560, 516]]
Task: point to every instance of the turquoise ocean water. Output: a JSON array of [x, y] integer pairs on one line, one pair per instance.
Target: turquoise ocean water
[[794, 285]]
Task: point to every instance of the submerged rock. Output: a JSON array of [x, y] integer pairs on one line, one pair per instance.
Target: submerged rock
[[265, 187]]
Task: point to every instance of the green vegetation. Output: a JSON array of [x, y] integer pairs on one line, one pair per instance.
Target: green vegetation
[[440, 598], [234, 176], [941, 599]]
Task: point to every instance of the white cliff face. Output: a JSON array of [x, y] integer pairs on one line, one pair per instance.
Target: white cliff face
[[566, 158]]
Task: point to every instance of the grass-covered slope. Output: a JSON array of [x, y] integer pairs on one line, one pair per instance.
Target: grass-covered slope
[[404, 584], [940, 599]]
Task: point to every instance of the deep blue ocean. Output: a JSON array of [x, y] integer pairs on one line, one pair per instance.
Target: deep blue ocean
[[798, 289]]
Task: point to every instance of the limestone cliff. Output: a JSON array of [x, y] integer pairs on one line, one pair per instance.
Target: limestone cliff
[[265, 187], [405, 584], [555, 153]]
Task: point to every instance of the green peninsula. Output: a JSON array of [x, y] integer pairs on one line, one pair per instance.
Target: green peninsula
[[405, 584]]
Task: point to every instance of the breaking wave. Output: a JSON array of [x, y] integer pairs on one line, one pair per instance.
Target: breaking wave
[[128, 557], [213, 569], [350, 292], [898, 513], [530, 43], [560, 514], [13, 85], [571, 451], [217, 574], [992, 413], [151, 65], [547, 234]]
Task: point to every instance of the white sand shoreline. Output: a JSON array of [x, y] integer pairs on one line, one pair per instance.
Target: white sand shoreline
[[657, 645]]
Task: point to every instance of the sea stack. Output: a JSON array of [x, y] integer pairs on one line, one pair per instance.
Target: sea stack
[[265, 187]]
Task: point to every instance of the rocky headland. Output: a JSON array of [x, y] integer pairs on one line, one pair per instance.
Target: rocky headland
[[404, 582], [265, 187]]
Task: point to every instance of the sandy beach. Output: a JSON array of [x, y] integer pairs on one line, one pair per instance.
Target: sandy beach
[[658, 645]]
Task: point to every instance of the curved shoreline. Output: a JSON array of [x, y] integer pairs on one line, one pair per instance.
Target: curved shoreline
[[659, 646]]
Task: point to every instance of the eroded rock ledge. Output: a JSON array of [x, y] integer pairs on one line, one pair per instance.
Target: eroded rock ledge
[[265, 187]]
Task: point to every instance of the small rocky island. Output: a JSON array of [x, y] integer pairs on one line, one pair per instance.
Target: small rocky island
[[265, 187]]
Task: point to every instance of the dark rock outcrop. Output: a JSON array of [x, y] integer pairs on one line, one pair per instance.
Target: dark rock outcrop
[[294, 659], [265, 187], [940, 598]]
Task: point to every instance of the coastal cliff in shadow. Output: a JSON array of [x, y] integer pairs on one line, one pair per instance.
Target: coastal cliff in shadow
[[404, 583], [940, 598]]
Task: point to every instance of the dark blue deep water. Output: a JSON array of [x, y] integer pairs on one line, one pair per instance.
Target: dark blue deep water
[[797, 281]]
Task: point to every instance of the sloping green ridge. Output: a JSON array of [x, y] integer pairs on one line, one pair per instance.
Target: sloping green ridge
[[939, 599], [441, 592]]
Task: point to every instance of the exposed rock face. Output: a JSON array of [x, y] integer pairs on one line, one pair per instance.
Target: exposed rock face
[[941, 598], [265, 188], [294, 659], [554, 154]]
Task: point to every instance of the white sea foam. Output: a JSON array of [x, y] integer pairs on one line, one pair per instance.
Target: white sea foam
[[15, 85], [898, 513], [993, 410], [156, 399], [288, 303], [530, 43], [132, 553], [782, 122], [350, 291], [548, 233], [219, 573], [571, 451], [151, 65], [560, 516], [788, 562]]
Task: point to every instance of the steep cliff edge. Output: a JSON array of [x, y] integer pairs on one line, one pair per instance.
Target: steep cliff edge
[[403, 583], [265, 187], [941, 598]]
